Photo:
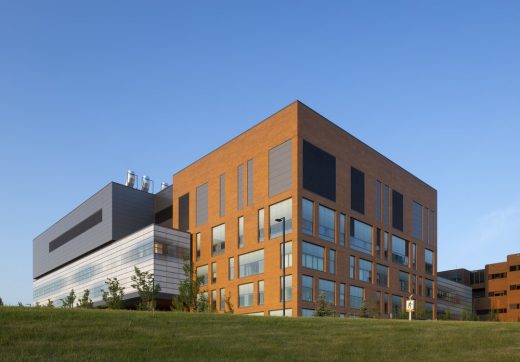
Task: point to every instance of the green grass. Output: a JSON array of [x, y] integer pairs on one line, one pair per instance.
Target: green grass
[[57, 334]]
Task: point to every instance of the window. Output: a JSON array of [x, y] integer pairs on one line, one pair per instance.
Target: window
[[414, 284], [352, 272], [327, 288], [219, 239], [251, 263], [397, 211], [403, 281], [202, 272], [214, 300], [428, 261], [378, 202], [241, 232], [397, 305], [245, 295], [499, 293], [385, 303], [425, 224], [288, 254], [382, 275], [332, 261], [277, 211], [319, 171], [360, 236], [357, 190], [432, 227], [260, 292], [240, 186], [378, 242], [222, 299], [420, 288], [417, 220], [307, 292], [515, 287], [497, 276], [429, 288], [365, 271], [356, 297], [231, 268], [342, 295], [249, 182], [288, 287], [513, 268], [307, 216], [213, 272], [429, 310], [386, 203], [385, 245], [414, 255], [399, 250], [342, 233], [201, 215], [260, 225], [326, 223], [307, 312], [197, 238], [312, 256], [222, 191]]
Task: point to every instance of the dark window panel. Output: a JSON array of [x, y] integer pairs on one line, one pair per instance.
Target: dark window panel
[[397, 210], [357, 190], [184, 212], [319, 171]]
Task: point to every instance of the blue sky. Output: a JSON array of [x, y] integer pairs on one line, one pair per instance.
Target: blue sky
[[90, 89]]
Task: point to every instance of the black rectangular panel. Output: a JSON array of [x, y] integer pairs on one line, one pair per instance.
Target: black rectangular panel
[[357, 190], [163, 215], [184, 212], [397, 210], [319, 171], [77, 230]]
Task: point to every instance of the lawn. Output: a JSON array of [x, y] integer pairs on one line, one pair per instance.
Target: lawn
[[58, 334]]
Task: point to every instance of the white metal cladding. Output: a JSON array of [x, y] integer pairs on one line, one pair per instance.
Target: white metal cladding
[[117, 260]]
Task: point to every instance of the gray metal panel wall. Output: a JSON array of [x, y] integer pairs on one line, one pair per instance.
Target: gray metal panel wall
[[44, 261], [132, 210], [202, 205], [163, 199], [280, 168], [240, 186], [249, 182], [222, 210]]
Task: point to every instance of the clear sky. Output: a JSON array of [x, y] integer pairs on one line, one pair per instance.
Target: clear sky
[[90, 89]]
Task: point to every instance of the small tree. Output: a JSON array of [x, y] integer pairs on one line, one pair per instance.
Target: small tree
[[114, 297], [50, 304], [323, 307], [68, 302], [189, 288], [229, 304], [202, 303], [85, 301], [1, 302], [363, 311], [20, 304], [146, 288]]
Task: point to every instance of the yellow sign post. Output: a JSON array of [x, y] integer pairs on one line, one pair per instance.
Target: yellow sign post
[[410, 307]]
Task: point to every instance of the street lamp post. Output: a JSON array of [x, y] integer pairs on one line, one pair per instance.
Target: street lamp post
[[282, 220]]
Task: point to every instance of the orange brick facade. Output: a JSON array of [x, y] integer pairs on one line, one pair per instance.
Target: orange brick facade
[[503, 288], [297, 123]]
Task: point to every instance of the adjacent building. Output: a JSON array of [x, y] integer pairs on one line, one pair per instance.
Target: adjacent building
[[454, 299], [495, 289], [360, 229]]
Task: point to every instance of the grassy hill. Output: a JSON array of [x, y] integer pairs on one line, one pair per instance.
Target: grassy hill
[[57, 334]]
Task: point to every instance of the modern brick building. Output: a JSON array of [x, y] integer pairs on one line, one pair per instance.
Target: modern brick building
[[496, 288], [359, 228]]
